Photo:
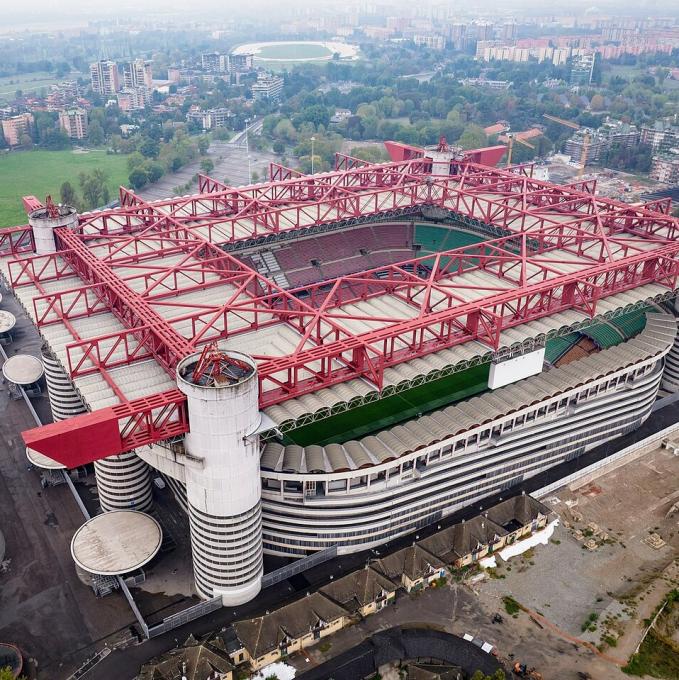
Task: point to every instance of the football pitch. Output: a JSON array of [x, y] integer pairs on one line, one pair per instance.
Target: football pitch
[[384, 413]]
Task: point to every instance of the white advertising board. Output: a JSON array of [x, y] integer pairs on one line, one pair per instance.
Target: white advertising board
[[517, 368]]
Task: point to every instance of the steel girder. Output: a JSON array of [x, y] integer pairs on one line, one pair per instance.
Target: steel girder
[[540, 218]]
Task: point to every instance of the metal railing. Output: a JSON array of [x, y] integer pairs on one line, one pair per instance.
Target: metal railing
[[180, 618], [299, 566]]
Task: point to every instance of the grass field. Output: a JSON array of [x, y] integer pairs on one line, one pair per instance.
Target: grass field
[[39, 173], [628, 72], [387, 412], [27, 82]]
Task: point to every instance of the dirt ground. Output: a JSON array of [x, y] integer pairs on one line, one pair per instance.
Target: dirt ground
[[563, 584]]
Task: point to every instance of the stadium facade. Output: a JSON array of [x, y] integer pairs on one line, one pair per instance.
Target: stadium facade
[[340, 359]]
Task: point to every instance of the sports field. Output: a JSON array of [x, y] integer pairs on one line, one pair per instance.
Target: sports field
[[39, 173], [294, 52], [384, 413]]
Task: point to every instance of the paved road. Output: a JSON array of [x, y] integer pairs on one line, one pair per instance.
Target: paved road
[[403, 644]]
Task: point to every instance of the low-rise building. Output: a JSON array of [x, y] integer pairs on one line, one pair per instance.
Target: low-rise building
[[209, 118], [340, 116], [269, 638], [484, 82], [15, 129], [464, 544], [362, 592], [519, 516], [413, 568], [195, 660], [74, 123]]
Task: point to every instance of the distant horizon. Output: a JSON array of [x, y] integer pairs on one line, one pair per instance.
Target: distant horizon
[[42, 15]]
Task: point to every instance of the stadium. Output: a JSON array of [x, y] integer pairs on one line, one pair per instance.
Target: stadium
[[342, 358]]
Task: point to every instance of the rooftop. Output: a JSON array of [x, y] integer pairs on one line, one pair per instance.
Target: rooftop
[[23, 369], [116, 542], [134, 290], [265, 633]]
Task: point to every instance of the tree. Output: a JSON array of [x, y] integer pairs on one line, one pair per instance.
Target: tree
[[138, 178], [498, 675], [203, 145], [278, 147], [149, 148], [473, 137], [6, 674], [597, 103], [135, 160], [95, 133], [285, 130], [94, 188], [67, 193], [55, 140], [207, 166], [373, 154], [154, 171]]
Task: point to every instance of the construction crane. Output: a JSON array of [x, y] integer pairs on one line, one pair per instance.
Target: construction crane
[[511, 138], [586, 139]]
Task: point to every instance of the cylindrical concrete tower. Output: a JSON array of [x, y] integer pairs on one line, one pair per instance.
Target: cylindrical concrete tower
[[45, 220], [64, 400], [124, 481], [223, 484]]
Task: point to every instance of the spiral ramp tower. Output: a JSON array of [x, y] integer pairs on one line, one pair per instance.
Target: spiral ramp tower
[[223, 486], [124, 481], [670, 378]]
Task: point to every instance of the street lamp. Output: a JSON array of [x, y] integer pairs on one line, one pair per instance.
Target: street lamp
[[313, 139], [247, 149]]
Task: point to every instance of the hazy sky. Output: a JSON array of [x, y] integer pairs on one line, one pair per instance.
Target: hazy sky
[[61, 12]]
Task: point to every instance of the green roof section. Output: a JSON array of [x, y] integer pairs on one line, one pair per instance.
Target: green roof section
[[557, 347], [437, 238]]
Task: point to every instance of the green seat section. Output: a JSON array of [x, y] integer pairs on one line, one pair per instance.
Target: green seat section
[[631, 324], [603, 335]]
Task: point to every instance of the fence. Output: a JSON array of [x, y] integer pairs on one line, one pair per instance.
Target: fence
[[600, 465], [180, 618], [299, 566]]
